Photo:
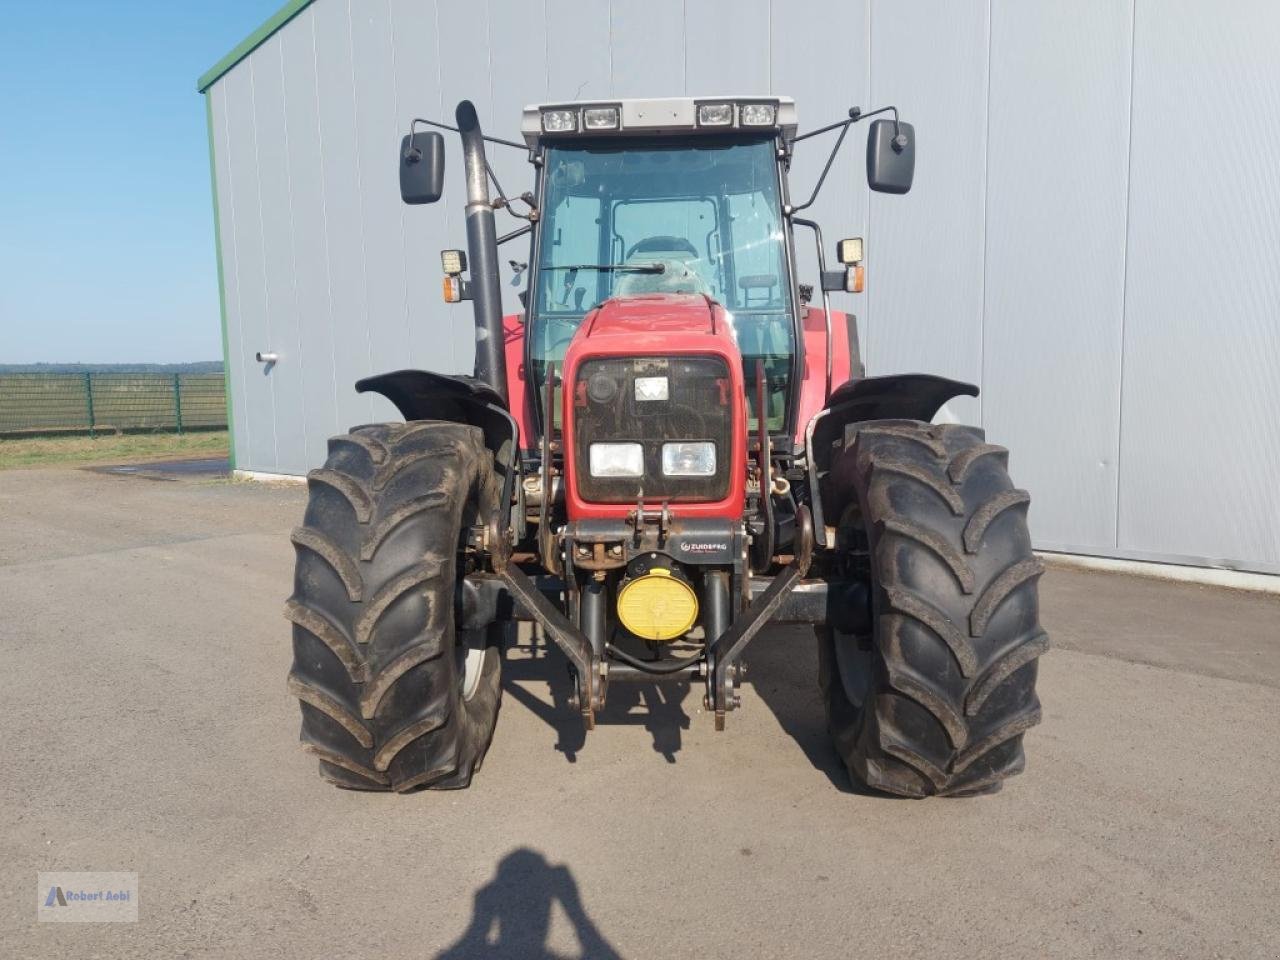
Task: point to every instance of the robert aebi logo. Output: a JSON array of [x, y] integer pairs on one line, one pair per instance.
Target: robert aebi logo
[[86, 896], [58, 897]]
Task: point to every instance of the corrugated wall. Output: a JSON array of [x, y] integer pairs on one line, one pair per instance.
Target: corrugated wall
[[1093, 236]]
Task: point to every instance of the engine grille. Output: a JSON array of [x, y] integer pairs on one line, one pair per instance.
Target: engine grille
[[698, 408]]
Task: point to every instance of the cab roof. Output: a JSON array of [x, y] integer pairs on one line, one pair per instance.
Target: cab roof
[[663, 115]]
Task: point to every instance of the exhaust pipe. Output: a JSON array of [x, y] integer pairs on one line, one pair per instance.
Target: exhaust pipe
[[482, 251]]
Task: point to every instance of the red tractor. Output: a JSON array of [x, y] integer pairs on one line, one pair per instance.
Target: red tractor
[[669, 449]]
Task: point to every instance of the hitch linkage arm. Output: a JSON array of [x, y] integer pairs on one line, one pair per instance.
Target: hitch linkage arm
[[589, 670], [724, 670]]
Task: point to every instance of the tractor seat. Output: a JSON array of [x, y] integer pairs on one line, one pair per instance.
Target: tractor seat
[[662, 244]]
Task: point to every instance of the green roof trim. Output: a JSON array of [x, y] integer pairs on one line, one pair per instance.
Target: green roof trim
[[251, 43], [222, 285]]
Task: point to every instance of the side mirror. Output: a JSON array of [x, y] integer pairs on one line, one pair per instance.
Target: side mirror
[[891, 156], [422, 167]]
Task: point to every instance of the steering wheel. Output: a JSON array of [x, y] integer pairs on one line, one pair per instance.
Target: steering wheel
[[664, 244], [557, 340]]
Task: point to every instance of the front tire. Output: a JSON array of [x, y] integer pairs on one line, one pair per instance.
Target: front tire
[[393, 696], [937, 698]]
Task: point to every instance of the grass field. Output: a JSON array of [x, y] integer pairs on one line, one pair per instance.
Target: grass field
[[126, 448]]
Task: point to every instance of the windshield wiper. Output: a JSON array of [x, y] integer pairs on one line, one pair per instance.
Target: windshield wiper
[[612, 267]]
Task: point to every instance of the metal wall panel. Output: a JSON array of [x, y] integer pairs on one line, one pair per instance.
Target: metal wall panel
[[824, 96], [344, 213], [925, 249], [1056, 187], [648, 69], [243, 418], [276, 199], [309, 233], [726, 52], [579, 51], [1114, 291], [434, 342], [1199, 448], [377, 134], [518, 75], [465, 74], [252, 306]]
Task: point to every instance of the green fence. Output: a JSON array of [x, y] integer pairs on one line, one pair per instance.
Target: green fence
[[100, 402]]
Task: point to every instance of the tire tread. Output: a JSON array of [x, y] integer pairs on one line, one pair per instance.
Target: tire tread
[[957, 635], [373, 608]]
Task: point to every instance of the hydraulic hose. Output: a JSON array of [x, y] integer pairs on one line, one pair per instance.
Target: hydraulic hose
[[666, 666]]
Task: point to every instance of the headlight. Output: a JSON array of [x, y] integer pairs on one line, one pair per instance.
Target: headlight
[[688, 459], [758, 114], [560, 121], [617, 460], [651, 388], [600, 118], [715, 114], [453, 262]]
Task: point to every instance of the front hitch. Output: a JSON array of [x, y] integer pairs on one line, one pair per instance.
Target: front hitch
[[590, 671], [724, 671]]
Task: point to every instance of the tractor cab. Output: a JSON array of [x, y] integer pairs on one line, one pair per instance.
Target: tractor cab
[[678, 198]]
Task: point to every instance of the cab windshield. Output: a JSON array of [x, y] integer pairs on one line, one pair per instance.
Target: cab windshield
[[626, 218]]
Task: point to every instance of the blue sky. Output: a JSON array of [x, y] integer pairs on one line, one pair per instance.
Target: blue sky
[[106, 218]]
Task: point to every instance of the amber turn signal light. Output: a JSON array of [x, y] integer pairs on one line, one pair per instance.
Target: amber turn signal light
[[452, 290], [859, 278]]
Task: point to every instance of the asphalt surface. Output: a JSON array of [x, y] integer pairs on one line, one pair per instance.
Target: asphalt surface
[[146, 728]]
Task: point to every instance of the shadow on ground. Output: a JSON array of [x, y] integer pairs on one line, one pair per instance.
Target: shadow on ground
[[783, 674], [658, 707], [511, 916], [198, 468]]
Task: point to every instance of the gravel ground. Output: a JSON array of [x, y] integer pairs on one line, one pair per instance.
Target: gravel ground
[[146, 728]]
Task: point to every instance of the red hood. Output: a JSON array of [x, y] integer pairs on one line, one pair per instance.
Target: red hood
[[654, 325], [654, 319]]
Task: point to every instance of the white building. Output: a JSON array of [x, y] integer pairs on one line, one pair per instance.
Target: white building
[[1093, 236]]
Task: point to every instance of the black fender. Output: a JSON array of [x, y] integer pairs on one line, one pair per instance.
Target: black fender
[[423, 395], [903, 396]]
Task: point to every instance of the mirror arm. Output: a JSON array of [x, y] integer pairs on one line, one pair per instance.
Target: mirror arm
[[502, 201], [517, 232], [826, 295], [855, 114], [413, 126], [825, 170]]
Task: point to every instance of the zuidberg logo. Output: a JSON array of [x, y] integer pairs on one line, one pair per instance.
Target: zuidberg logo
[[687, 546]]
